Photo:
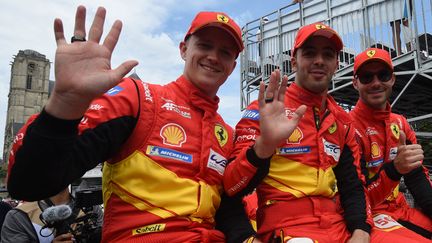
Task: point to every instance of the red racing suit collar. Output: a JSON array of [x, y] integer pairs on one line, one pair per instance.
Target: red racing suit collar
[[369, 113], [197, 97]]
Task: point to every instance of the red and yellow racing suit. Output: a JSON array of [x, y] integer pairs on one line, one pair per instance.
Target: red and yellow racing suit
[[165, 148], [298, 188], [378, 134]]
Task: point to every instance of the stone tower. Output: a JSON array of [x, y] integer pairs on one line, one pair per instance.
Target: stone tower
[[28, 92]]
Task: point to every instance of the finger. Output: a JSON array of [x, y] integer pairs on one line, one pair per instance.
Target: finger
[[58, 32], [273, 84], [416, 157], [414, 165], [261, 92], [414, 147], [122, 70], [111, 40], [402, 138], [96, 29], [301, 110], [80, 16], [282, 89]]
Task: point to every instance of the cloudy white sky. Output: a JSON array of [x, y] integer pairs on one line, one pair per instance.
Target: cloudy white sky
[[152, 30]]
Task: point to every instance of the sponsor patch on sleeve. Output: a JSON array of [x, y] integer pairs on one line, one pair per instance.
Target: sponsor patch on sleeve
[[217, 162], [114, 90], [251, 114]]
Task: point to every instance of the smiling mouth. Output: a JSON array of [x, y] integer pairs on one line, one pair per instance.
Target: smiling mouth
[[209, 68]]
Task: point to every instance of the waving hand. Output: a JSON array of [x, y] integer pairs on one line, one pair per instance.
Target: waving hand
[[83, 68], [275, 126]]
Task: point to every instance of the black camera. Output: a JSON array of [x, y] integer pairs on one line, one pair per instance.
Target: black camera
[[83, 226], [86, 228]]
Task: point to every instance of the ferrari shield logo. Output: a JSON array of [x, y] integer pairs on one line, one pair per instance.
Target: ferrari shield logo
[[332, 128], [222, 18], [221, 134], [320, 26], [395, 130], [371, 53]]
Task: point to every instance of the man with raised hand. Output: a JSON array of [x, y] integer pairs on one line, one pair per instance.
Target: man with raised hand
[[165, 147], [298, 147], [389, 150]]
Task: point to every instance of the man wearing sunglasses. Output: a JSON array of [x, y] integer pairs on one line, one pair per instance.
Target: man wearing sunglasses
[[389, 150]]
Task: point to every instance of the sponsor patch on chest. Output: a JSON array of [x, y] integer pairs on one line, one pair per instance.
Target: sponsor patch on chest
[[393, 153], [332, 149], [293, 150], [217, 162], [168, 153]]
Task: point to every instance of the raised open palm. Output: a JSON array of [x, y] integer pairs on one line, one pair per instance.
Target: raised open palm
[[83, 68], [275, 126]]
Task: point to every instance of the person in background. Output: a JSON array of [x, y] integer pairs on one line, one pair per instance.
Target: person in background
[[389, 150], [165, 147], [4, 209], [25, 224]]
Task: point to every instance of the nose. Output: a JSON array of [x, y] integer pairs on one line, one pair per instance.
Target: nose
[[212, 55], [319, 59]]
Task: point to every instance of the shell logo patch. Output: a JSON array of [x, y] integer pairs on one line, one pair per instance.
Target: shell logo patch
[[173, 135], [295, 137], [371, 53], [332, 128], [395, 130], [221, 134], [320, 26], [375, 150], [222, 18]]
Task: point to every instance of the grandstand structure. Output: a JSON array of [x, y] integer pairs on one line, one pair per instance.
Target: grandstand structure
[[361, 24]]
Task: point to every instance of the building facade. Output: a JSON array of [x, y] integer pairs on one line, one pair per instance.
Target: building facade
[[29, 90]]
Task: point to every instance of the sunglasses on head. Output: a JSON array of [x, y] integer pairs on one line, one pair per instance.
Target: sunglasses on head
[[382, 75]]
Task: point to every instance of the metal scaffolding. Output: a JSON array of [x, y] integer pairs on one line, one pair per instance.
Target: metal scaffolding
[[361, 24]]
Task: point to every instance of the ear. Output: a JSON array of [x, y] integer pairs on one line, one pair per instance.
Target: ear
[[355, 83], [183, 48], [294, 63]]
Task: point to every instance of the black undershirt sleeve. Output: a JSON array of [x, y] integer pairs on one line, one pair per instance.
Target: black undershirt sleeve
[[53, 155]]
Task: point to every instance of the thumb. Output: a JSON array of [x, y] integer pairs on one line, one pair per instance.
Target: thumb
[[402, 138], [301, 110]]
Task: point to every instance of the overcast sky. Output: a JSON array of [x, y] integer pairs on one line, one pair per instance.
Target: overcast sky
[[152, 30]]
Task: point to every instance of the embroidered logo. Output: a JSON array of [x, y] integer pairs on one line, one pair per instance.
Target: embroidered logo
[[115, 90], [383, 221], [320, 26], [170, 106], [293, 150], [371, 53], [221, 134], [395, 130], [371, 131], [375, 150], [149, 229], [332, 128], [251, 114], [332, 149], [168, 153], [173, 135], [217, 162], [393, 153], [222, 18], [295, 137]]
